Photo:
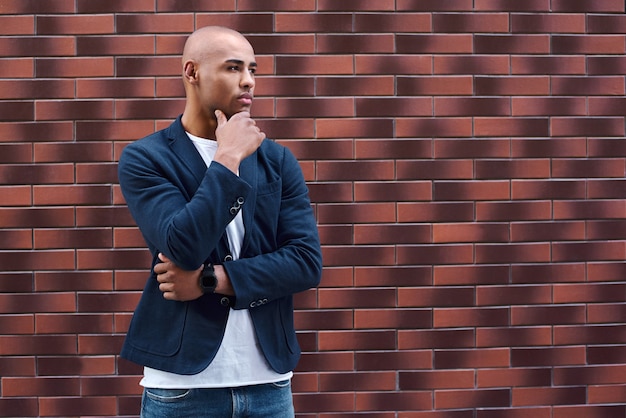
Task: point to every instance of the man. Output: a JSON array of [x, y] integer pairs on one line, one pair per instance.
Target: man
[[227, 218]]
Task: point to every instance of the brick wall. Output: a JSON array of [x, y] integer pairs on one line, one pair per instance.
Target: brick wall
[[466, 163]]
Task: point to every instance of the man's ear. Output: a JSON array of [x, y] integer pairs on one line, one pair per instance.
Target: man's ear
[[189, 70]]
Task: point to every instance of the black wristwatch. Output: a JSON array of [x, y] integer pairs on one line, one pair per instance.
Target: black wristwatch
[[208, 280]]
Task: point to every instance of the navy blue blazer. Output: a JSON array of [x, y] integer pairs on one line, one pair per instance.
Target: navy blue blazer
[[182, 209]]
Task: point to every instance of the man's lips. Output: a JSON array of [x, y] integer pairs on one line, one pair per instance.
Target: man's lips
[[245, 99]]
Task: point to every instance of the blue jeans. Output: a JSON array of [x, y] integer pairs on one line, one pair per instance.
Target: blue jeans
[[272, 400]]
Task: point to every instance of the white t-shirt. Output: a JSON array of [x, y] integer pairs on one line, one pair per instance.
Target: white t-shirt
[[239, 360]]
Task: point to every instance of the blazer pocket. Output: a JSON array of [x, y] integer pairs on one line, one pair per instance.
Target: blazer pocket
[[158, 324], [264, 189]]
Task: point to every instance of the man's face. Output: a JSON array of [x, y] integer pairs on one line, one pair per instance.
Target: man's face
[[226, 77]]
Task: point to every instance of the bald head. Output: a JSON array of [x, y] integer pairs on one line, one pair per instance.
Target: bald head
[[207, 40]]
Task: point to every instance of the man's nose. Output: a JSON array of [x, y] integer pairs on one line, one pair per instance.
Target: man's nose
[[247, 80]]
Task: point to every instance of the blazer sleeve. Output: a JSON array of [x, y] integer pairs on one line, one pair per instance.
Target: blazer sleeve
[[295, 264], [177, 215]]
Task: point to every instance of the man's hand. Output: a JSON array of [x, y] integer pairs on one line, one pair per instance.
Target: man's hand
[[176, 283], [237, 138]]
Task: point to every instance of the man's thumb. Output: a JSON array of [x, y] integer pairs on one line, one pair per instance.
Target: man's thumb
[[221, 117]]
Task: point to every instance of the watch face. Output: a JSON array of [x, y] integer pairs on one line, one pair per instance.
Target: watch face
[[208, 280]]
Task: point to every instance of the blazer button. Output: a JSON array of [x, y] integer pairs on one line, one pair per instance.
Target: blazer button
[[225, 301], [228, 258]]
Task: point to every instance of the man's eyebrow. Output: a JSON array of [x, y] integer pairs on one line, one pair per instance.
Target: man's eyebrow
[[240, 62]]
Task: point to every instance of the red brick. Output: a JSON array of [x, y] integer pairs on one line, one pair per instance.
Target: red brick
[[548, 23], [513, 253], [471, 190], [545, 148], [394, 360], [390, 234], [472, 148], [437, 169], [147, 66], [21, 239], [396, 22], [437, 254], [588, 6], [470, 274], [470, 317], [117, 6], [392, 276], [74, 67], [588, 86], [361, 340], [434, 5], [513, 377], [72, 238], [36, 89], [324, 402], [589, 209], [360, 381], [471, 22], [355, 170], [513, 86], [429, 339], [513, 337], [259, 5], [54, 366], [435, 212], [394, 64], [547, 189], [512, 211], [40, 345], [434, 127], [315, 65], [17, 25], [119, 88], [72, 406], [540, 65], [364, 255], [511, 44], [605, 23], [578, 44], [548, 396], [154, 23], [362, 43], [606, 394], [436, 297], [396, 318], [548, 315], [548, 231], [435, 85], [75, 24], [325, 22], [553, 106], [548, 357], [589, 411], [242, 22], [405, 400], [40, 260], [472, 106], [476, 398], [436, 379], [606, 313], [357, 298], [611, 65], [434, 43], [591, 334], [397, 191], [505, 5], [349, 5]]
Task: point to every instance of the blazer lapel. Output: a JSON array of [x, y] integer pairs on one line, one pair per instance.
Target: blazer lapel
[[182, 146]]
